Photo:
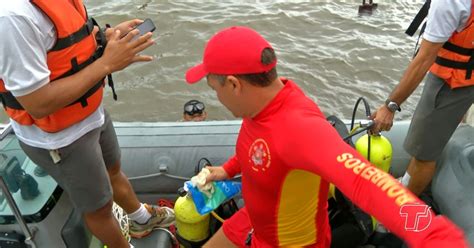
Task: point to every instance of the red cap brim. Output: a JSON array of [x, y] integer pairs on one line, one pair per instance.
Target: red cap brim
[[196, 73]]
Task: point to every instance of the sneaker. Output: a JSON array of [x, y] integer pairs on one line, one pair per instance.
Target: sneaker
[[160, 217]]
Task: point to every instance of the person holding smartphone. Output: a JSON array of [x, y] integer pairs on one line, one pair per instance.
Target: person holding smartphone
[[54, 61]]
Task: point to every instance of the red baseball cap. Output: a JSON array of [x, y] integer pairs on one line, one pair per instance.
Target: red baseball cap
[[232, 51]]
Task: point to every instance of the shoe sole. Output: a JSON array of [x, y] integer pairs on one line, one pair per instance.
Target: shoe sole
[[139, 235]]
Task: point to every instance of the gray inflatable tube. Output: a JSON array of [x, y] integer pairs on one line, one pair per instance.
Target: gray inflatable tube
[[453, 184]]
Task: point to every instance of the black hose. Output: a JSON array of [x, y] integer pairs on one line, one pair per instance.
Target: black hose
[[203, 162], [368, 114], [367, 110]]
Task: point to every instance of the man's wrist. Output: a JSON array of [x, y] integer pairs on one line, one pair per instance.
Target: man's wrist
[[103, 67], [392, 105]]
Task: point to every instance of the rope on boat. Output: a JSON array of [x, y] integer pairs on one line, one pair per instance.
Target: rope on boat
[[122, 219]]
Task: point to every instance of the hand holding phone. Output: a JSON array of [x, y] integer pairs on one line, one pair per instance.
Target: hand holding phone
[[144, 27], [119, 54]]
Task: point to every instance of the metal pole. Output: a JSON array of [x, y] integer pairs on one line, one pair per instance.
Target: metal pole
[[16, 212]]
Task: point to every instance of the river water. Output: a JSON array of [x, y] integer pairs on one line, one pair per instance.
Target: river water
[[332, 52]]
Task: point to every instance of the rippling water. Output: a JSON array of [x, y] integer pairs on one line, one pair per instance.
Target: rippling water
[[334, 54]]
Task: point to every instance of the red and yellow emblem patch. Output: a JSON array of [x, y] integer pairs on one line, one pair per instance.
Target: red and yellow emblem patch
[[259, 155]]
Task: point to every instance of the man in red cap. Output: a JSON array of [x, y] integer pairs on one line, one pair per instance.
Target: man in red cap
[[288, 153]]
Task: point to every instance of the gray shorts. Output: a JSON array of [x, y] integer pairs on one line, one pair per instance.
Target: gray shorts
[[438, 113], [82, 171]]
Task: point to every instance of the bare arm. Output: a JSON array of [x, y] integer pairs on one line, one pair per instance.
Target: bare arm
[[416, 71], [120, 53], [412, 77]]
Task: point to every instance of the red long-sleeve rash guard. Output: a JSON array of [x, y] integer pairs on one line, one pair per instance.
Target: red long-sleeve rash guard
[[288, 153]]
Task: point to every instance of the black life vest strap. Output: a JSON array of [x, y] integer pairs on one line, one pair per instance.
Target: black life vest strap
[[82, 33], [415, 24], [110, 81], [468, 66], [101, 44], [457, 49], [417, 49], [8, 100]]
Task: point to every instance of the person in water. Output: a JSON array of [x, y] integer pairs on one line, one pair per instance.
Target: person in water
[[446, 52], [287, 154], [51, 76], [194, 110], [367, 7]]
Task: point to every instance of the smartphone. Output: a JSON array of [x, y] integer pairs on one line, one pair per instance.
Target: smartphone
[[144, 27]]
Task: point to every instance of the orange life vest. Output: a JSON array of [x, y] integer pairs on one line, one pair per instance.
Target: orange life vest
[[455, 60], [75, 48]]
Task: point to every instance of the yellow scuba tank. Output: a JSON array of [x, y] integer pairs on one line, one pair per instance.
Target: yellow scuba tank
[[193, 228], [380, 154], [380, 150]]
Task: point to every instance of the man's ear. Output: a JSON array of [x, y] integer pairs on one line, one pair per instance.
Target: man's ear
[[235, 83]]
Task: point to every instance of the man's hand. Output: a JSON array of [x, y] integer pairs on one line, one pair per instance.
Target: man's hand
[[383, 119], [121, 52], [127, 26], [124, 28], [217, 174]]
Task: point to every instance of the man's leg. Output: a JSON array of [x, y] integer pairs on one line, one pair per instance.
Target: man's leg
[[123, 192], [144, 218], [437, 115], [105, 227], [421, 173]]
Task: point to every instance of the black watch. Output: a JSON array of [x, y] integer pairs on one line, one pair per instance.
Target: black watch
[[392, 106]]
